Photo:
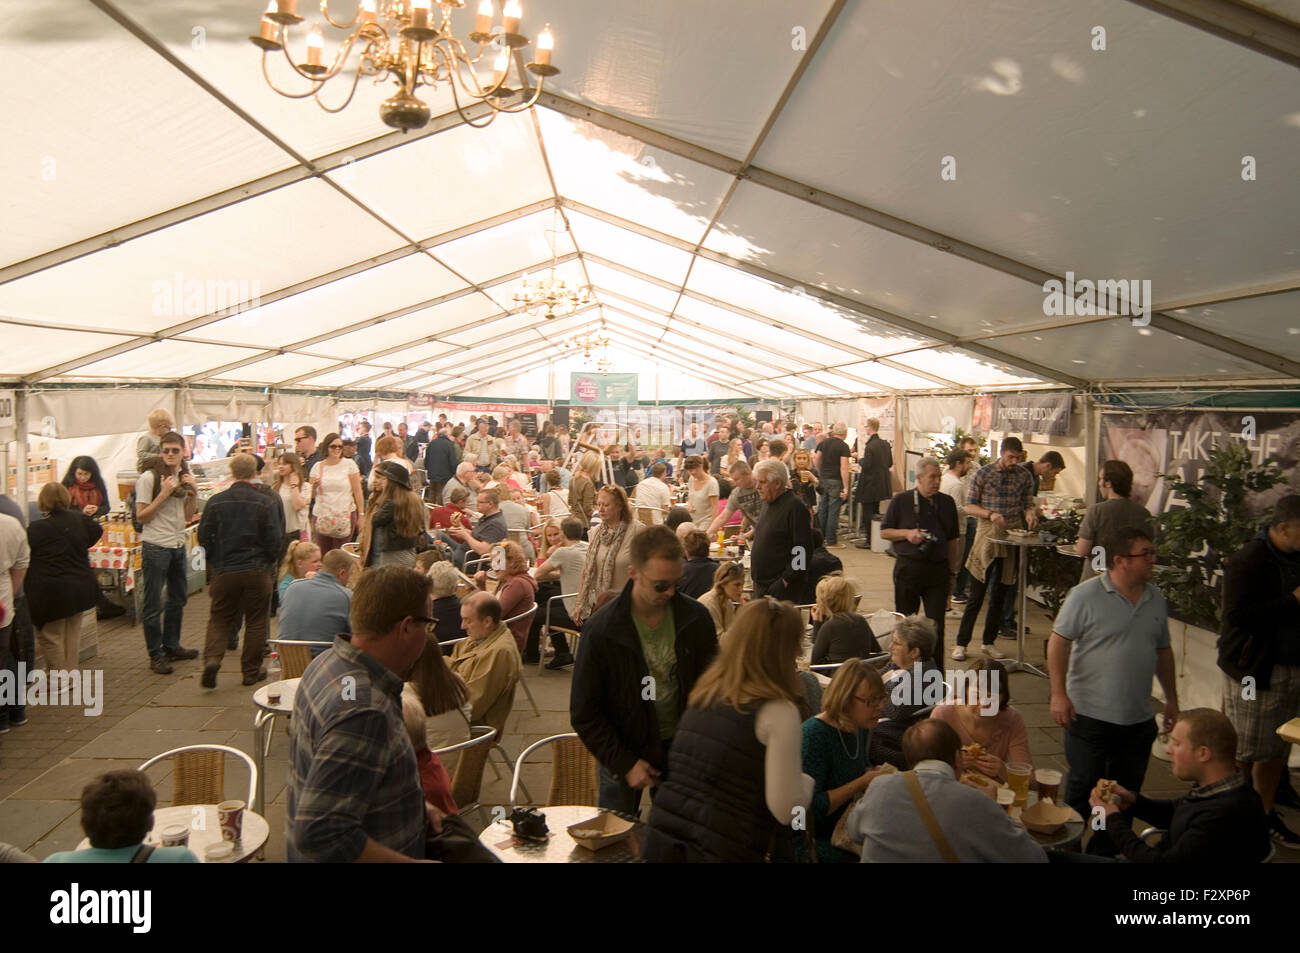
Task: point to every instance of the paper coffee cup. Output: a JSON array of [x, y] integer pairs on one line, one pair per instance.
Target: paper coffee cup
[[230, 815], [174, 835]]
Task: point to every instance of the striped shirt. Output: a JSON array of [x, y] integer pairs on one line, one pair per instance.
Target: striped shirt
[[352, 771]]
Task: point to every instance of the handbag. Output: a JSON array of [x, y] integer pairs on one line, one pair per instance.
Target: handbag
[[335, 527], [840, 836], [457, 844]]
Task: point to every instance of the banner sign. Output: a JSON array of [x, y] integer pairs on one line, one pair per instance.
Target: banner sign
[[588, 390], [1032, 413], [457, 412], [1179, 442], [6, 409]]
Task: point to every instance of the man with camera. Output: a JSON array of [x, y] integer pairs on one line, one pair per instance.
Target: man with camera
[[922, 525]]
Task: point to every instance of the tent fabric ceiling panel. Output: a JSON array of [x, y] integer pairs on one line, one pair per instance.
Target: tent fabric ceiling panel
[[1069, 159], [410, 328], [1116, 350], [962, 368], [275, 369], [602, 276], [890, 377], [28, 349], [90, 170], [627, 178], [877, 267], [340, 379], [1271, 322], [798, 310], [421, 187], [524, 243], [163, 360], [284, 237], [762, 333], [630, 249], [336, 305], [621, 59]]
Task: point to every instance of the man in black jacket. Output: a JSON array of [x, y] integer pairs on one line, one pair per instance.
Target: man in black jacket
[[1259, 653], [638, 661], [783, 538], [441, 458], [240, 533], [1219, 821]]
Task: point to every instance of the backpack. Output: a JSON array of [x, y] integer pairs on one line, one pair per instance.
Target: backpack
[[131, 509]]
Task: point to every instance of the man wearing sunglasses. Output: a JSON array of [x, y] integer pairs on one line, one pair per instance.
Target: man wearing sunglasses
[[1110, 637], [166, 500], [638, 660]]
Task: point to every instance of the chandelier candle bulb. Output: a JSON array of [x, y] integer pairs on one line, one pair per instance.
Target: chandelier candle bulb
[[269, 29], [287, 8], [367, 11], [499, 68], [420, 14], [545, 43], [483, 21], [315, 42], [513, 13]]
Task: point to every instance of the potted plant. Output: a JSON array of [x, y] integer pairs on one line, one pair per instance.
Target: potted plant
[[944, 446], [1054, 573], [1216, 521]]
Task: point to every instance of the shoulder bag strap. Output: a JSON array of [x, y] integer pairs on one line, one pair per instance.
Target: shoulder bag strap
[[141, 856], [928, 818]]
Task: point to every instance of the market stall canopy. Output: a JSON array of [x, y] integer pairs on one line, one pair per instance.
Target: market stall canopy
[[803, 198]]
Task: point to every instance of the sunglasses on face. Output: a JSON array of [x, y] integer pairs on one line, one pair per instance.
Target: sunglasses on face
[[171, 449], [663, 585]]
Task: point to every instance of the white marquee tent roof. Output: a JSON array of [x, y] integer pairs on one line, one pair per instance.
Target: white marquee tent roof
[[755, 218]]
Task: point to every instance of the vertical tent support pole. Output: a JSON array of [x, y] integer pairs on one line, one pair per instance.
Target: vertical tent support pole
[[20, 437], [1091, 427]]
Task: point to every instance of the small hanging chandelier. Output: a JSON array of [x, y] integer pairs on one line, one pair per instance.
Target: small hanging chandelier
[[405, 41], [550, 296]]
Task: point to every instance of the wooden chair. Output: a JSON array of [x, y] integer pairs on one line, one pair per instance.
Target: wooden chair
[[574, 773], [199, 774], [467, 781], [295, 656]]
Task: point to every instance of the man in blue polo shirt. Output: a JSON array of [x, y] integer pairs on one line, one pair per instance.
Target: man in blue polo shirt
[[1110, 637], [316, 609]]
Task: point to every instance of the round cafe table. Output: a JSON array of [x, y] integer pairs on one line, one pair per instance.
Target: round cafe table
[[559, 847], [205, 829], [1068, 833], [265, 715], [1024, 543]]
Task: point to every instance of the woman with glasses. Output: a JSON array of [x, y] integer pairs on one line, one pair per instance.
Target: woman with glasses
[[735, 778], [610, 551], [835, 750], [336, 485]]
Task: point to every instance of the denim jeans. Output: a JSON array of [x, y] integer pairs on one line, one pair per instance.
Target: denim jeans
[[615, 794], [828, 510], [9, 663], [1099, 749], [160, 565], [999, 594]]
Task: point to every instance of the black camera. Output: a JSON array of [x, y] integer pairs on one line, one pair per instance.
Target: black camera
[[529, 823], [927, 542]]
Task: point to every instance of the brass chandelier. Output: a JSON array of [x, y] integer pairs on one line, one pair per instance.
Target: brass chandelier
[[405, 40], [551, 296], [589, 343]]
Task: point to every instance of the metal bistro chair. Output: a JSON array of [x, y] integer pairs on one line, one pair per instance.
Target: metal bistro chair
[[199, 774], [467, 781], [527, 691], [1152, 835], [574, 776], [544, 639]]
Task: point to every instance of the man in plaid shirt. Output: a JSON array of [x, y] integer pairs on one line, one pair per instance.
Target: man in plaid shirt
[[354, 788]]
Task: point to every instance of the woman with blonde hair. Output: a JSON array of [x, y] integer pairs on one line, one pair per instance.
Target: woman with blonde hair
[[803, 480], [728, 589], [735, 451], [582, 488], [300, 562], [610, 551], [735, 777], [394, 520], [554, 502], [839, 633], [835, 749]]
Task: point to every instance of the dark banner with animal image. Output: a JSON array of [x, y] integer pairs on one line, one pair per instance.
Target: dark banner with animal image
[[1178, 443]]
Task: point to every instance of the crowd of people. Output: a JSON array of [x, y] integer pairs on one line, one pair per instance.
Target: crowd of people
[[430, 567]]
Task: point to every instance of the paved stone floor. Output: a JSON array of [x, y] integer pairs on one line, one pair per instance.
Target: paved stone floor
[[45, 763]]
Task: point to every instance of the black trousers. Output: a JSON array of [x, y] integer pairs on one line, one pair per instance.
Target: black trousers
[[559, 617], [998, 594], [920, 582]]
